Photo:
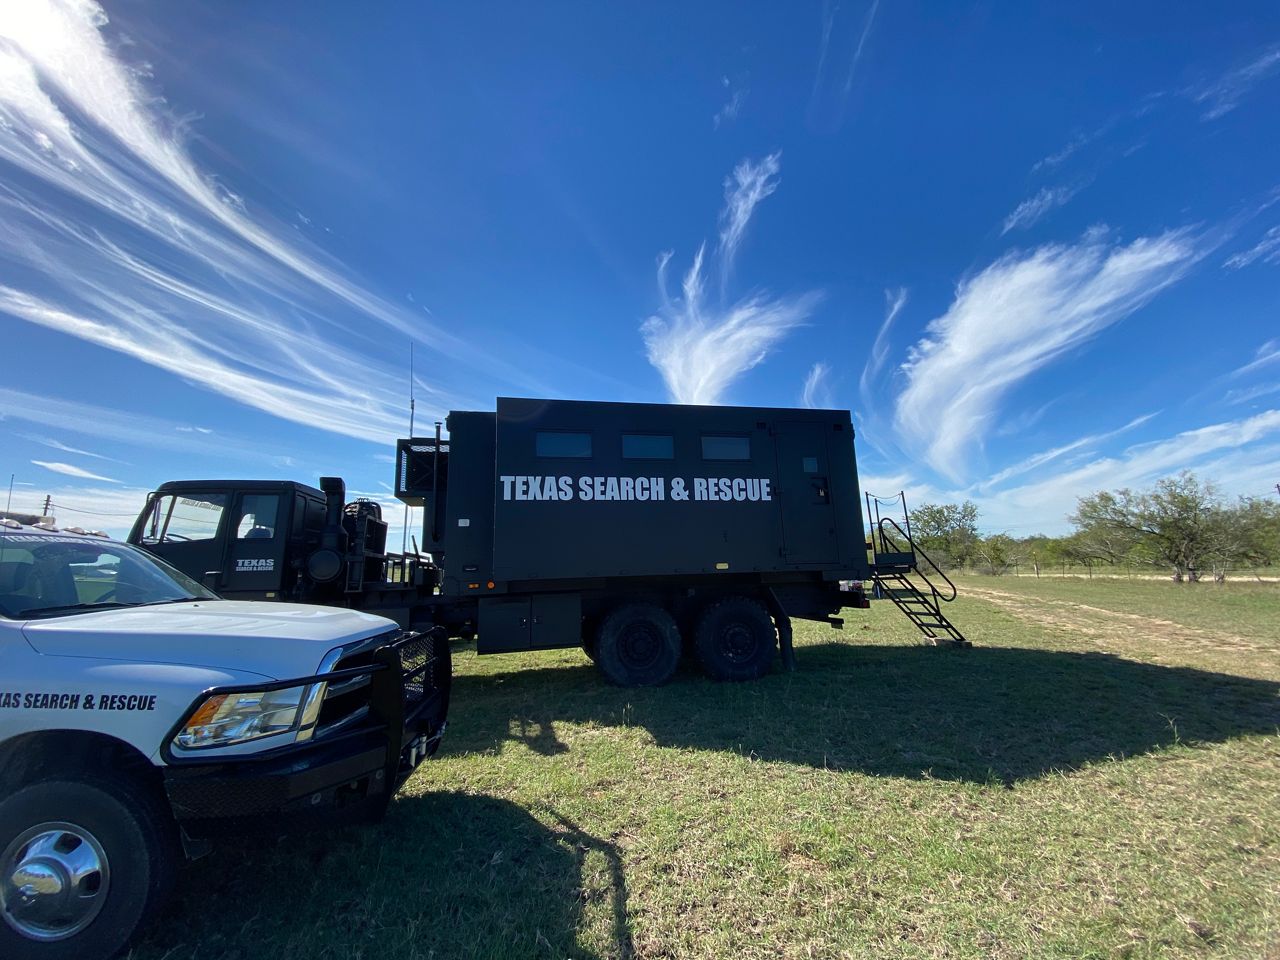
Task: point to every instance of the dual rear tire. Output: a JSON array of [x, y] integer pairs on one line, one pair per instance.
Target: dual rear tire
[[639, 644]]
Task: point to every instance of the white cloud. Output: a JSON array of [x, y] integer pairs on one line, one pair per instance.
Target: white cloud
[[1038, 460], [65, 448], [1016, 316], [176, 269], [817, 391], [1240, 456], [1224, 94], [895, 300], [732, 107], [1267, 250], [107, 426], [1031, 210], [1236, 454], [824, 95], [1244, 395], [69, 470], [700, 348], [743, 191], [1264, 356]]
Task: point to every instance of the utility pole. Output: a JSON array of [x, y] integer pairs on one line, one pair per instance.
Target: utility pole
[[48, 502]]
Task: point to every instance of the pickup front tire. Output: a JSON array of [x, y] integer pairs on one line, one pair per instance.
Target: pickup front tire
[[83, 864]]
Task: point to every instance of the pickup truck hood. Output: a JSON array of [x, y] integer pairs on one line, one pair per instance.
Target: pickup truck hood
[[277, 640]]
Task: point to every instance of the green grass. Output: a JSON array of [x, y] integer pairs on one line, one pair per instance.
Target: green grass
[[1083, 783]]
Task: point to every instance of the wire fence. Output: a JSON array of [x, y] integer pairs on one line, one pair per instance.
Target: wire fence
[[1075, 570]]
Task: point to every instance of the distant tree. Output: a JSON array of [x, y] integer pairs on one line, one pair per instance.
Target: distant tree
[[998, 552], [946, 531], [1178, 524], [1246, 533]]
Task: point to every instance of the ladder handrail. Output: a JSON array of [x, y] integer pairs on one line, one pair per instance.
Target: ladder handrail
[[919, 553]]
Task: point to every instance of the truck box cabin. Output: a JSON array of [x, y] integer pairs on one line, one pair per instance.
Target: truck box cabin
[[554, 514]]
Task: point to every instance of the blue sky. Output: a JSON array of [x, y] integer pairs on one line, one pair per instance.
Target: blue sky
[[1037, 252]]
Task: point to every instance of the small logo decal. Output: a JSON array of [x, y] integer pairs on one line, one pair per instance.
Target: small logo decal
[[255, 566]]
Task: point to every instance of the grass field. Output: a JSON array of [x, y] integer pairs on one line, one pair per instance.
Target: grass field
[[1098, 777]]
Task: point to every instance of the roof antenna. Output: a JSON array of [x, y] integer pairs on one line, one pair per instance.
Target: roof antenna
[[9, 502], [404, 533]]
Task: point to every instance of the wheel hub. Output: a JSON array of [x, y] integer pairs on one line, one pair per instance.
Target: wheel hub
[[738, 641], [53, 881], [640, 646]]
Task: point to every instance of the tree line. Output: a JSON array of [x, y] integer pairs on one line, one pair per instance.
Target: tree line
[[1182, 525]]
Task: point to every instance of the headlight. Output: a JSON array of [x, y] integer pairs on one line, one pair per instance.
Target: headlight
[[227, 718]]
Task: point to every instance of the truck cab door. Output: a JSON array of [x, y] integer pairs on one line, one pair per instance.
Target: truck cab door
[[185, 531], [257, 534]]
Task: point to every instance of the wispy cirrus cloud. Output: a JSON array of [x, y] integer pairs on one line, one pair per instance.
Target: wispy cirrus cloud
[[115, 235], [1241, 455], [1034, 208], [1037, 460], [109, 426], [702, 346], [816, 392], [1264, 356], [894, 300], [1220, 96], [1015, 317], [70, 470], [732, 107], [53, 444], [830, 96], [1267, 250]]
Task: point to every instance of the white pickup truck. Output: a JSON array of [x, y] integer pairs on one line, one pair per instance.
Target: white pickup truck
[[141, 717]]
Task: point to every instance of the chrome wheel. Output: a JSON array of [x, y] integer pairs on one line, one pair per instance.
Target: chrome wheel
[[53, 881]]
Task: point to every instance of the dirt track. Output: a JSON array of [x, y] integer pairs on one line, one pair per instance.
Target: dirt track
[[1097, 623]]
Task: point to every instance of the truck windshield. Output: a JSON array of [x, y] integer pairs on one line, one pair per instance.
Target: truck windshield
[[45, 575]]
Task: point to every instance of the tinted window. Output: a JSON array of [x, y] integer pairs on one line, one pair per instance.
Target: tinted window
[[726, 448], [647, 446], [576, 445], [257, 516]]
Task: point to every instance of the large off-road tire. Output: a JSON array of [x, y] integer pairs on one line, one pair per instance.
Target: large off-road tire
[[638, 645], [83, 864], [736, 639]]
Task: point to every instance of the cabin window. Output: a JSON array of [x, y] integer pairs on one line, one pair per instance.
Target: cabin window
[[648, 446], [726, 448], [183, 518], [257, 516], [576, 446]]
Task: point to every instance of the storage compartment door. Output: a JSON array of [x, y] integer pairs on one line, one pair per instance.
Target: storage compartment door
[[504, 625], [808, 519], [557, 620]]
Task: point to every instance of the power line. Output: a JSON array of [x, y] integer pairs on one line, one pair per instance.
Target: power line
[[57, 507]]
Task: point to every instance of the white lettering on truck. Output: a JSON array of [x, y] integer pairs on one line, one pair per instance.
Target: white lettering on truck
[[722, 489]]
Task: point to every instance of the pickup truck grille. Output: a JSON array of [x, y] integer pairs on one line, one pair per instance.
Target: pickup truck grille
[[346, 702], [417, 659]]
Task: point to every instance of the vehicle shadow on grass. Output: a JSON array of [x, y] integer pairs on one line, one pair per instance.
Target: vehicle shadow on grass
[[445, 875], [999, 714]]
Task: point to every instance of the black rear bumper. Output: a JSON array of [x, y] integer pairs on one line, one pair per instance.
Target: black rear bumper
[[328, 780]]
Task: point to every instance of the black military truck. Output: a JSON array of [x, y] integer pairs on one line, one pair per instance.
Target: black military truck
[[637, 531]]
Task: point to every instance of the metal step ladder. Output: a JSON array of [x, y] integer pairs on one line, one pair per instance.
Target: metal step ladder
[[905, 574]]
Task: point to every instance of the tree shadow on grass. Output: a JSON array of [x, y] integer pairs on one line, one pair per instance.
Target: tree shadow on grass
[[984, 714], [446, 875]]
